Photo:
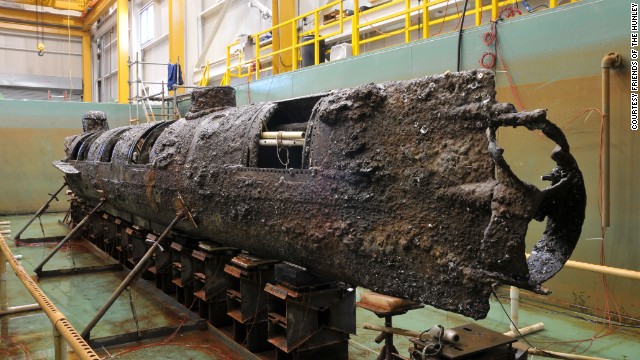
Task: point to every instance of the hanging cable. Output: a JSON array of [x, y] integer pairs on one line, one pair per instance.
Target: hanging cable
[[69, 49], [40, 28], [464, 13]]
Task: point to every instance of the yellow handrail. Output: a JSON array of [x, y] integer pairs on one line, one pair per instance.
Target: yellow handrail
[[404, 15], [59, 321]]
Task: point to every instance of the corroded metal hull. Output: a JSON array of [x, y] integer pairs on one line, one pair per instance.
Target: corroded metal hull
[[399, 187]]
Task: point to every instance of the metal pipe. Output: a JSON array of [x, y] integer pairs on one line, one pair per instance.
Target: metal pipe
[[40, 211], [611, 60], [555, 354], [19, 309], [140, 267], [69, 236], [410, 333], [288, 135], [59, 346], [80, 347], [275, 142]]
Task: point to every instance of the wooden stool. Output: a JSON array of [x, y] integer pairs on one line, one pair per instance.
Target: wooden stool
[[386, 307]]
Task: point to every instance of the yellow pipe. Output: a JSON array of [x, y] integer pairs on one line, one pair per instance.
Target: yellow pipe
[[553, 3], [611, 60], [123, 50], [87, 79], [59, 321], [478, 12]]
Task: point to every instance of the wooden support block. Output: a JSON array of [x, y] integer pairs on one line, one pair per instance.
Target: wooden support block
[[384, 302]]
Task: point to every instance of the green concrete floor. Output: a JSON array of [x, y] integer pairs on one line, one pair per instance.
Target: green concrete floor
[[28, 335]]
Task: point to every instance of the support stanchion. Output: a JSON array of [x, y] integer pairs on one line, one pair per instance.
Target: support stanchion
[[69, 236], [140, 267], [41, 211]]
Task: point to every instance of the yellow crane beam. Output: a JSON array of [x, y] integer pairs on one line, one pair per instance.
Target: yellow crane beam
[[47, 20], [75, 5], [32, 28], [99, 9]]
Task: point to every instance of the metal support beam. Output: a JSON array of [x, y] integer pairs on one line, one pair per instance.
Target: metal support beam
[[56, 4], [46, 19], [30, 28], [176, 33], [4, 301], [59, 346], [96, 12], [87, 78], [19, 309], [282, 10], [140, 267], [123, 51], [40, 211], [69, 236]]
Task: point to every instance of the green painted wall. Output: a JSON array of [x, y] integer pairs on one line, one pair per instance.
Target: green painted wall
[[554, 58], [31, 137]]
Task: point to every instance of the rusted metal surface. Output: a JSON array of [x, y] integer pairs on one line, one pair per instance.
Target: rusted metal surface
[[395, 189]]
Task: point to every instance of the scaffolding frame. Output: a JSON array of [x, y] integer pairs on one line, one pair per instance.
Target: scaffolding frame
[[169, 109]]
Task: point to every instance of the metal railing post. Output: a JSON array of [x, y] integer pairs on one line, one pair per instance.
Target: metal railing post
[[355, 29], [425, 20], [407, 22], [69, 236], [257, 59], [59, 346], [4, 301], [294, 46], [40, 211], [494, 9], [140, 267], [316, 40], [228, 72]]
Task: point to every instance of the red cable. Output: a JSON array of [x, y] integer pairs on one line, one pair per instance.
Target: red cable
[[492, 60]]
